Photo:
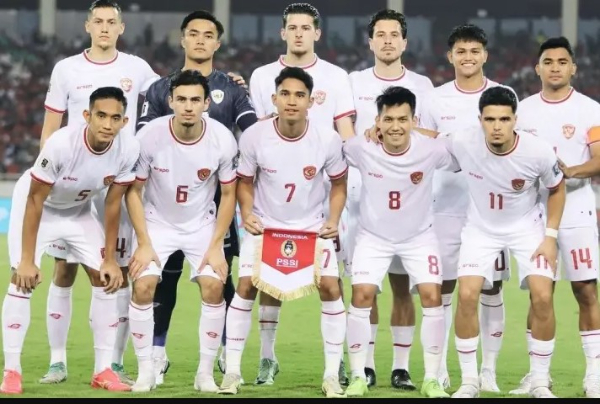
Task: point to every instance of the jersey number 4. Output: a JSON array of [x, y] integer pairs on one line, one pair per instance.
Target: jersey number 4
[[120, 248]]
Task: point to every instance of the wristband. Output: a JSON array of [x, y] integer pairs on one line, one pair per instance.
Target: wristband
[[551, 232]]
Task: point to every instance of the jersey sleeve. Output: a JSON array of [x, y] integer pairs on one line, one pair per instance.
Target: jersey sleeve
[[149, 77], [247, 156], [344, 103], [353, 150], [425, 111], [550, 173], [244, 113], [57, 95], [131, 156], [335, 163], [593, 133], [229, 161], [255, 94], [446, 161], [48, 164], [153, 105], [142, 166]]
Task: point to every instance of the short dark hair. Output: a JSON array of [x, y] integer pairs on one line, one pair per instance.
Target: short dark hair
[[395, 96], [467, 33], [555, 43], [295, 73], [387, 14], [202, 15], [105, 4], [498, 95], [105, 93], [302, 8], [189, 78]]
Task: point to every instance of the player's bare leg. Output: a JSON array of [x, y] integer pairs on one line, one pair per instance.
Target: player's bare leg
[[212, 323], [402, 324], [586, 294], [104, 321], [268, 319], [466, 327], [543, 329], [59, 310], [491, 322], [448, 287]]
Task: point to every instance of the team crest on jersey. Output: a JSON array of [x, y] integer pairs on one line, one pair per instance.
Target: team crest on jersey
[[109, 179], [310, 172], [203, 174], [126, 84], [416, 177], [320, 96], [288, 248], [518, 184], [217, 96], [568, 131]]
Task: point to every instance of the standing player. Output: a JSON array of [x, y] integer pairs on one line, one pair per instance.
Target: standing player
[[505, 171], [453, 106], [183, 157], [387, 40], [231, 106], [396, 221], [73, 80], [75, 164], [288, 156], [570, 122], [333, 105]]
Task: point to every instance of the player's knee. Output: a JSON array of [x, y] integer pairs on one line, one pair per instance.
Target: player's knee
[[143, 289], [329, 290], [541, 303], [468, 297], [586, 293], [246, 289], [64, 273], [211, 289], [363, 295], [430, 294]]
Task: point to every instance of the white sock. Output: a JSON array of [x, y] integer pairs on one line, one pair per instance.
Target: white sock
[[371, 351], [268, 319], [333, 331], [141, 323], [104, 322], [238, 323], [491, 319], [16, 316], [540, 358], [432, 339], [59, 309], [529, 339], [447, 303], [159, 352], [123, 301], [402, 338], [467, 357], [212, 323], [358, 335], [590, 340]]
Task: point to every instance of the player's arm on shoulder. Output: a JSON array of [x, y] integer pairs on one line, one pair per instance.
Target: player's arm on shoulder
[[353, 150], [344, 110], [245, 115], [446, 161], [590, 168]]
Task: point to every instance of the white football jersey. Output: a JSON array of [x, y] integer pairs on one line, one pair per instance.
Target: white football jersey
[[566, 125], [181, 178], [503, 188], [448, 109], [367, 86], [289, 187], [75, 78], [76, 172], [396, 196], [332, 91]]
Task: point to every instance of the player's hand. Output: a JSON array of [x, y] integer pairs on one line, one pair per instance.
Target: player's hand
[[567, 171], [427, 132], [548, 250], [373, 135], [253, 225], [329, 230], [271, 115], [111, 276], [140, 260], [28, 276], [215, 257], [239, 80]]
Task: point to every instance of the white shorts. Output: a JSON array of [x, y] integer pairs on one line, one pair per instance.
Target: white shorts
[[420, 258], [76, 229], [329, 263], [167, 240], [479, 250], [448, 230], [579, 253]]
